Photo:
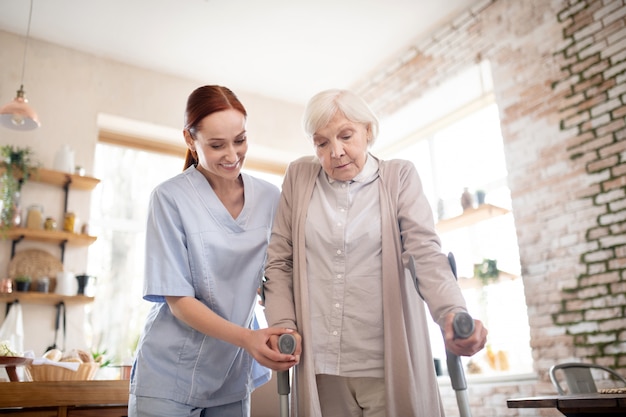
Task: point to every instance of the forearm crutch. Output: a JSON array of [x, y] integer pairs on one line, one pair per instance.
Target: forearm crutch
[[286, 344], [463, 325]]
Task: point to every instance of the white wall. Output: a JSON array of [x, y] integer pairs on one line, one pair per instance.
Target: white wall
[[69, 90]]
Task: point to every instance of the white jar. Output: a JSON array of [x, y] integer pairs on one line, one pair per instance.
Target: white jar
[[66, 283], [64, 160]]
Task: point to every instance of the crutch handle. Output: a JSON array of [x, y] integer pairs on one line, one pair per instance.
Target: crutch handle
[[286, 344], [463, 325]]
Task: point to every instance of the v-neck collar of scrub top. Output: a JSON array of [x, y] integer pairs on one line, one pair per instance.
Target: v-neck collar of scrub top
[[215, 206]]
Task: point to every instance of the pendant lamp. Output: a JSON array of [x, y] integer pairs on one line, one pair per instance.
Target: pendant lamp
[[17, 114]]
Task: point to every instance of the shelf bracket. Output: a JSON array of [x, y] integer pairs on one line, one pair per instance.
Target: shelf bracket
[[14, 244], [66, 189], [62, 245], [8, 306]]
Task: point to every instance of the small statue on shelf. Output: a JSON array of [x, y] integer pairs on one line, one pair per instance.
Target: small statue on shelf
[[467, 200]]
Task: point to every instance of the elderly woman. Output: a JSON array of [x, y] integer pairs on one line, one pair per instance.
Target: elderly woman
[[346, 227]]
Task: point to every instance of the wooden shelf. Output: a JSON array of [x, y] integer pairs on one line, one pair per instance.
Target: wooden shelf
[[474, 282], [61, 179], [65, 181], [34, 297], [49, 236], [63, 393], [470, 217], [62, 238]]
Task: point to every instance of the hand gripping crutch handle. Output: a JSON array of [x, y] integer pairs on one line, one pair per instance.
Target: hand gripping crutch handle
[[463, 325], [286, 344]]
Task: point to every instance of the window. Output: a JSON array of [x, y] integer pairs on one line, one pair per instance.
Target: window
[[118, 215], [463, 149]]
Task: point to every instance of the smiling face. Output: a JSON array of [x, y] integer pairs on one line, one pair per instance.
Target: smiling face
[[341, 146], [221, 144]]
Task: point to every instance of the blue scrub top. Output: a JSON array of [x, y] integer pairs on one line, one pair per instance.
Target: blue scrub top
[[195, 248]]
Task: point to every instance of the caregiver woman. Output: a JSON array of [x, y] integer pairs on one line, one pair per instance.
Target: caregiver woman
[[206, 239]]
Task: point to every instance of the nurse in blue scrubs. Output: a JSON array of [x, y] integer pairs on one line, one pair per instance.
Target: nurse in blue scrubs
[[201, 352]]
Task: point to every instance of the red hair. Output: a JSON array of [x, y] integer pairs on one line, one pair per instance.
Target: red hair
[[202, 102]]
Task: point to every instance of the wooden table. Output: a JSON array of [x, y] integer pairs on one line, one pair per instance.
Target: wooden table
[[65, 398], [576, 405]]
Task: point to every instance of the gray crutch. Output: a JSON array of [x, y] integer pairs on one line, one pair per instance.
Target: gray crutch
[[463, 325], [286, 344]]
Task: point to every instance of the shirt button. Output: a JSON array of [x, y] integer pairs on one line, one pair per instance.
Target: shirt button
[[337, 305], [338, 251], [338, 275], [338, 224], [343, 185], [335, 333]]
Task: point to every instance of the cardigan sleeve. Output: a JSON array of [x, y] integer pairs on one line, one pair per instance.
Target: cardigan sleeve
[[278, 286], [436, 282]]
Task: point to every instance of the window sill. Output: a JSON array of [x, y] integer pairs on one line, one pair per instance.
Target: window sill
[[444, 380]]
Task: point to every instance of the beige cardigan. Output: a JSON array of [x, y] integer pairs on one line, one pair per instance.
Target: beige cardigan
[[407, 220]]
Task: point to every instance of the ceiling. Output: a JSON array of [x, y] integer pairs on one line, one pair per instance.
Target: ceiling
[[283, 49]]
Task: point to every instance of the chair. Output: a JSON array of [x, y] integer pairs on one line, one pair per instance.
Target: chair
[[578, 377]]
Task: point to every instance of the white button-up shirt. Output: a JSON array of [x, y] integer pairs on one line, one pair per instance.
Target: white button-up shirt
[[344, 264]]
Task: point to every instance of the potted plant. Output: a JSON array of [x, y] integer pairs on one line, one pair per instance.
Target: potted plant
[[487, 271], [16, 167], [100, 356], [22, 283]]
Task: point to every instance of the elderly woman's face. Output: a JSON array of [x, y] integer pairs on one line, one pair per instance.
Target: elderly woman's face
[[341, 147]]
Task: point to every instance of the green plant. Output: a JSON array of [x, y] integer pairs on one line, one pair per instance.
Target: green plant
[[23, 278], [16, 167], [18, 162], [100, 357], [487, 271], [22, 282]]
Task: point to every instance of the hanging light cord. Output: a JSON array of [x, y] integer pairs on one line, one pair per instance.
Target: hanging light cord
[[30, 15]]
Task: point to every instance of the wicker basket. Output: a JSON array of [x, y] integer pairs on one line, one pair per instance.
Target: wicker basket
[[39, 373], [37, 264]]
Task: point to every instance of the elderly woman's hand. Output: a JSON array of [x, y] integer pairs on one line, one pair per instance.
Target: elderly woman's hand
[[464, 347], [262, 345], [273, 343]]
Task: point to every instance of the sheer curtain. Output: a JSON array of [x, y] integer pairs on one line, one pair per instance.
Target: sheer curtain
[[118, 215]]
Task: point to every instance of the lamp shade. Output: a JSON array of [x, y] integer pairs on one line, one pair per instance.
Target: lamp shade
[[18, 115]]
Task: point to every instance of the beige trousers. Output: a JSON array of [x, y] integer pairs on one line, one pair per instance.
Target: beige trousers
[[351, 397]]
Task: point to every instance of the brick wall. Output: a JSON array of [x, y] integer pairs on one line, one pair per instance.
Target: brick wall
[[559, 70], [593, 111]]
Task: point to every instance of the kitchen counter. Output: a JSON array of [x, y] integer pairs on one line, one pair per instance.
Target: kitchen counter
[[65, 398]]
